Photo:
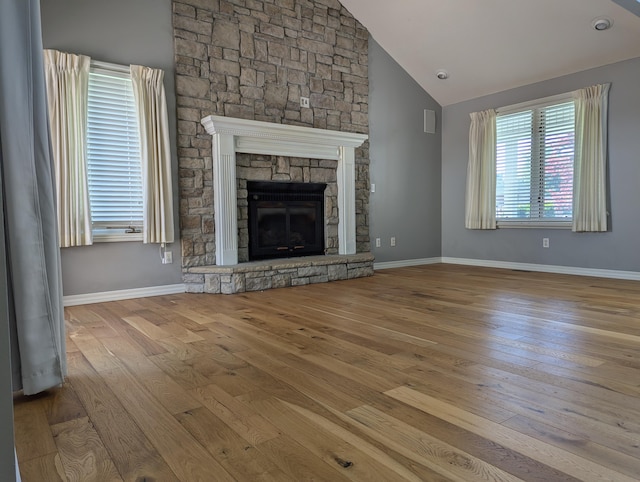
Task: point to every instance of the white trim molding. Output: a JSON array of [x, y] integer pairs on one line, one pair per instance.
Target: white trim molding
[[547, 268], [117, 295], [84, 299], [231, 135], [406, 263], [487, 263]]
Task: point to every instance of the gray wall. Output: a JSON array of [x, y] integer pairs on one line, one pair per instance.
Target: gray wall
[[123, 32], [405, 163], [616, 249]]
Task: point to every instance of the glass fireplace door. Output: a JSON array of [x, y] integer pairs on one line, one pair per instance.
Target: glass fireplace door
[[285, 219]]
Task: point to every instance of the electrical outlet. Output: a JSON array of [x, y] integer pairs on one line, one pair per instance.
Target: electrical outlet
[[545, 242], [168, 257], [378, 243], [393, 241], [304, 102]]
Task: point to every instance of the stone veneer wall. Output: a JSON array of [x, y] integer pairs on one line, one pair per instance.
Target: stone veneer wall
[[254, 59]]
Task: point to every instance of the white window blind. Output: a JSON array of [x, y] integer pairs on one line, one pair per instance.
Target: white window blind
[[534, 164], [113, 152]]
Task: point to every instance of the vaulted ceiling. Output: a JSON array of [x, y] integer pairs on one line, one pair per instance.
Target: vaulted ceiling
[[493, 45]]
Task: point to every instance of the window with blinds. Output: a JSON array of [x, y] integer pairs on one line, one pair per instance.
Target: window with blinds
[[534, 164], [113, 155]]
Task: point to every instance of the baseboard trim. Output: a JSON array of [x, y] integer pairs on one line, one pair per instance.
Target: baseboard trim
[[73, 300], [547, 268], [406, 263]]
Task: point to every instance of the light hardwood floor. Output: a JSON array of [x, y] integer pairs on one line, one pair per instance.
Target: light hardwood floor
[[427, 373]]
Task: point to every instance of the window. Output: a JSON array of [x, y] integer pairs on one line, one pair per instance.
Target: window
[[535, 147], [113, 155]]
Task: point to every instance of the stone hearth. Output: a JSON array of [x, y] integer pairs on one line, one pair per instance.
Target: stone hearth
[[277, 273]]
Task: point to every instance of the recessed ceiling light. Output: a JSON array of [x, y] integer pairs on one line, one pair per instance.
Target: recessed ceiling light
[[602, 23], [442, 74]]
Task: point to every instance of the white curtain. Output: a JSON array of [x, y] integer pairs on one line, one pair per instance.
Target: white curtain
[[67, 81], [590, 171], [480, 212], [151, 106]]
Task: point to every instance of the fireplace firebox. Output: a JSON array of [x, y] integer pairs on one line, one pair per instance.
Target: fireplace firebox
[[286, 219]]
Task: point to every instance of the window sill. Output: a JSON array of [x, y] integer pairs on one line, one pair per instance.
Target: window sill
[[534, 224], [115, 236]]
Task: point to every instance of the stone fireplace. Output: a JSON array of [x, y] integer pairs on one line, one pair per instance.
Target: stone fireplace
[[231, 136], [254, 60]]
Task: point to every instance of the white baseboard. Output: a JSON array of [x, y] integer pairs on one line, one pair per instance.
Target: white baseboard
[[85, 299], [405, 263], [72, 300], [547, 268]]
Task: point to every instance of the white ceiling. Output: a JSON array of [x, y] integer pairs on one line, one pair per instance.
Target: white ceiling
[[492, 45]]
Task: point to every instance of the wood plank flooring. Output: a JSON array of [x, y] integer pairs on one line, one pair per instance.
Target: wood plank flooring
[[432, 373]]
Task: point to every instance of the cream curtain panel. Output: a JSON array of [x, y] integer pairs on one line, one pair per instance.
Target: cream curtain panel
[[67, 81], [480, 208], [151, 106], [590, 171]]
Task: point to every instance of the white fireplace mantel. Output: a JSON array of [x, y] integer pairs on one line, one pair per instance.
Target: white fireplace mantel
[[231, 135]]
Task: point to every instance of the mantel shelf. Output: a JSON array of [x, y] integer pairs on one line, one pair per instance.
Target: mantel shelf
[[250, 133]]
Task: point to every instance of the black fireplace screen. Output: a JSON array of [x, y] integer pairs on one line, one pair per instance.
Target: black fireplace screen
[[286, 219]]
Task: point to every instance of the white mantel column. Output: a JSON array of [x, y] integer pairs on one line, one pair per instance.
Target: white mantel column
[[225, 199], [347, 200]]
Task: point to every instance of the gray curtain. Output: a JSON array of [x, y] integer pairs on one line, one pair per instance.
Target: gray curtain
[[36, 318], [8, 457]]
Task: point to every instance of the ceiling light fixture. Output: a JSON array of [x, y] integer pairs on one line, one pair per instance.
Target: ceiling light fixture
[[601, 23], [442, 74]]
